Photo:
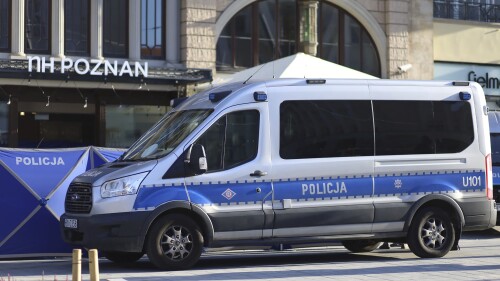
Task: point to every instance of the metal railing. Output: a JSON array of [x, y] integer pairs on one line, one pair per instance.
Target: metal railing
[[466, 10]]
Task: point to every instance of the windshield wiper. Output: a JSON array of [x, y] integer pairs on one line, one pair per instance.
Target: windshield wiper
[[131, 160]]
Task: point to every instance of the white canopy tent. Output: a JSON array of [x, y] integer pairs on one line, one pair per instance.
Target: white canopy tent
[[299, 65]]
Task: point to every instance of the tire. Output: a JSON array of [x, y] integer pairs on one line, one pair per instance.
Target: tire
[[122, 257], [361, 246], [431, 233], [174, 242]]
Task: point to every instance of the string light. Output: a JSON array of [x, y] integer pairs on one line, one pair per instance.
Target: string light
[[9, 101], [48, 101], [85, 105]]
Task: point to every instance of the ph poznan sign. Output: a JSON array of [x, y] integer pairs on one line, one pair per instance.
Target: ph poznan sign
[[84, 66]]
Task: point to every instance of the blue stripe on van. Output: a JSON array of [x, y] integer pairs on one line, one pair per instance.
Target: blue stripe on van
[[152, 197], [496, 175], [324, 188], [429, 183], [224, 193]]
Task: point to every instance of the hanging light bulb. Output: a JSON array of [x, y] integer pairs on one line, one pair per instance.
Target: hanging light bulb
[[140, 86], [85, 105], [8, 102], [48, 101]]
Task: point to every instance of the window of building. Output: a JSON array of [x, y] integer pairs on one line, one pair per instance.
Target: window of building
[[477, 10], [4, 125], [5, 12], [153, 29], [268, 30], [115, 28], [422, 127], [77, 27], [321, 128], [37, 26], [232, 140]]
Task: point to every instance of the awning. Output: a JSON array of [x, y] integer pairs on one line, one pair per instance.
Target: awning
[[15, 72]]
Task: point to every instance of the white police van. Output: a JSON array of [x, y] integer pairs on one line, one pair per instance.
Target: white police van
[[494, 119], [294, 161]]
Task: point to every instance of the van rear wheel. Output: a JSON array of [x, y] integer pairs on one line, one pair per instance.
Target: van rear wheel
[[431, 233], [361, 246], [175, 242]]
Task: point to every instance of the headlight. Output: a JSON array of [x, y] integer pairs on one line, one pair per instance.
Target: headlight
[[123, 186]]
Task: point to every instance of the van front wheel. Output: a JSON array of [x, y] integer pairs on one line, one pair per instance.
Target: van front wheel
[[174, 242], [360, 246], [431, 233]]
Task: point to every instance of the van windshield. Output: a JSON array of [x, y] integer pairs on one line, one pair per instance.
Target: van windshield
[[495, 149], [166, 135]]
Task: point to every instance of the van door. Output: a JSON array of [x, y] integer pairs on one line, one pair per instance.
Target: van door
[[322, 160], [425, 143], [235, 192]]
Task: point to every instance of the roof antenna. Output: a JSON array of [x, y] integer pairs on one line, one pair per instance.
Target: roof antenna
[[254, 73], [274, 58]]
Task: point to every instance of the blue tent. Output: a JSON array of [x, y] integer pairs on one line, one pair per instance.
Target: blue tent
[[33, 183]]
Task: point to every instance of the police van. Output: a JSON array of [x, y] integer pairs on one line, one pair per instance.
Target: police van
[[294, 161], [494, 120]]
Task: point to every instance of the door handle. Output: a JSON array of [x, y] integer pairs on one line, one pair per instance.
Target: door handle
[[258, 173]]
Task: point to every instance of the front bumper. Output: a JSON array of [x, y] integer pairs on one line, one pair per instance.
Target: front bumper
[[119, 232]]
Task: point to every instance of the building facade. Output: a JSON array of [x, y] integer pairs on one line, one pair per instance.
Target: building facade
[[466, 39], [186, 43]]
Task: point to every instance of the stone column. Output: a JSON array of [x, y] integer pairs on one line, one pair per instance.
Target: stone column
[[198, 33], [96, 29], [134, 25], [172, 29], [421, 40], [57, 36], [17, 28], [397, 29], [308, 26]]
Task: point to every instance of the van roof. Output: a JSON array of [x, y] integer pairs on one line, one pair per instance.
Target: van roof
[[201, 100]]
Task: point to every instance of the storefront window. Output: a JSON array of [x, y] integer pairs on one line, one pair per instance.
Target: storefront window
[[268, 29], [76, 27], [152, 29], [125, 124], [4, 125], [115, 28], [37, 26], [5, 25]]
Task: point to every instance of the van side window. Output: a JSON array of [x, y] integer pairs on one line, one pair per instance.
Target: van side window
[[422, 127], [232, 140], [323, 128]]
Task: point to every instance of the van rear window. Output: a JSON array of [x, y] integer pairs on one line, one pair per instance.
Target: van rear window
[[422, 127]]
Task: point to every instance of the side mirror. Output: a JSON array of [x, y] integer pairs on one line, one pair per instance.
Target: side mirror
[[196, 159]]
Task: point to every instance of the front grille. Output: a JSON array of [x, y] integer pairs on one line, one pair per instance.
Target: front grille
[[78, 198]]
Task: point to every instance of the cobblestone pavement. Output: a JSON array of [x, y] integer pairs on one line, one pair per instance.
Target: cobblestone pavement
[[478, 259]]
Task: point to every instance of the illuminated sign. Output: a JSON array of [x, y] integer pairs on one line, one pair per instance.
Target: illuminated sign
[[485, 81], [488, 76], [84, 67]]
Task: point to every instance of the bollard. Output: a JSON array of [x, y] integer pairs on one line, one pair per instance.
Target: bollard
[[77, 265], [93, 265]]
